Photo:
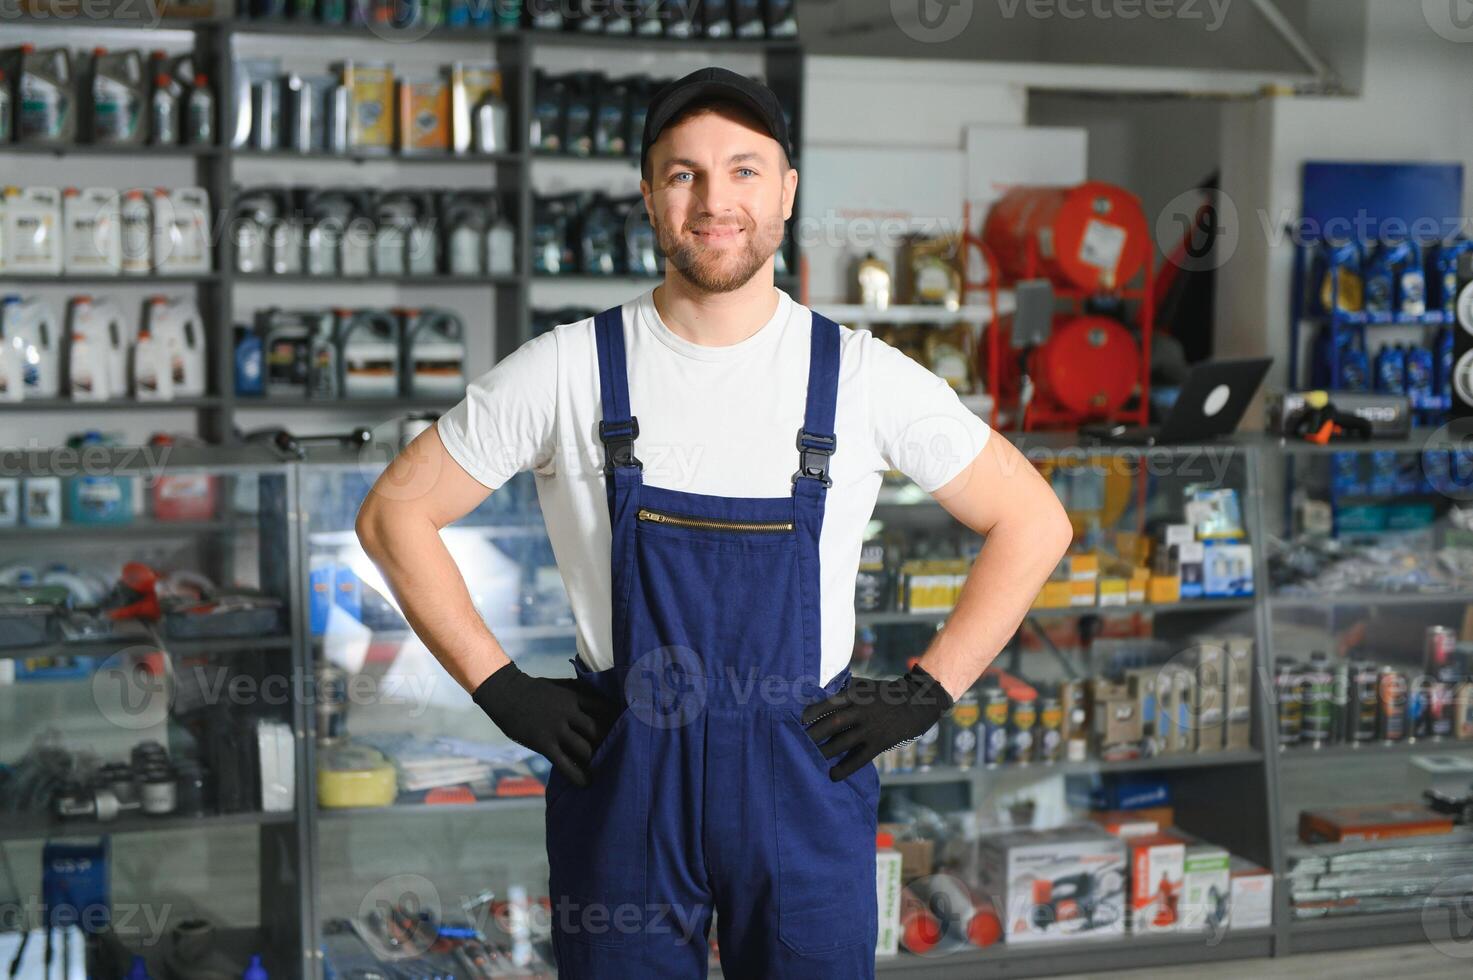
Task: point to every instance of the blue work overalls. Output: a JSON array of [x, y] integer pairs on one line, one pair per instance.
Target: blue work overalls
[[707, 791]]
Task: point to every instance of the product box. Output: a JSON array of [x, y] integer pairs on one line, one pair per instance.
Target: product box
[[918, 857], [1375, 822], [1238, 697], [424, 116], [1064, 883], [1117, 720], [1157, 863], [1137, 585], [1123, 792], [1205, 889], [1055, 594], [371, 98], [1189, 559], [1251, 899], [1227, 569], [1163, 589], [1114, 591], [1142, 682], [888, 890], [1135, 823], [1082, 592], [1208, 663]]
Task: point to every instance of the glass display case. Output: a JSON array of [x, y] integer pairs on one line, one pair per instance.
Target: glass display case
[[425, 816], [1371, 572], [1132, 681], [150, 769]]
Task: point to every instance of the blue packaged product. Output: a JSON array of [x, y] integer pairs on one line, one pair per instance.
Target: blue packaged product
[[1437, 468], [1338, 270], [250, 364], [1121, 793], [1383, 473], [1408, 475], [1345, 474], [1462, 467], [1421, 384], [1380, 278], [1444, 365], [1391, 370], [1411, 279], [1355, 370], [1447, 274]]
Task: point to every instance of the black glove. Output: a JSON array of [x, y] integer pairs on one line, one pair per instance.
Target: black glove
[[870, 716], [560, 718]]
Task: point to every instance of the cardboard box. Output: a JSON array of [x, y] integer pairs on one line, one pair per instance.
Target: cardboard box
[[1117, 720], [1251, 898], [1376, 822], [1049, 885], [888, 890], [1055, 594], [1227, 569], [1189, 558], [1137, 585], [1205, 889], [918, 856], [1238, 698], [1157, 863], [1114, 591], [1208, 663], [1135, 823], [1163, 590]]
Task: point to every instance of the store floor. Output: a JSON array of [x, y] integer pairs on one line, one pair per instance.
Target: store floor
[[1412, 962]]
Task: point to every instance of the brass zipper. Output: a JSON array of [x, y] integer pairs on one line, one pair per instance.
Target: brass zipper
[[680, 520]]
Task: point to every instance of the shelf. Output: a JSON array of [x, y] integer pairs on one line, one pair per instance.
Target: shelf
[[30, 21], [103, 648], [646, 41], [1370, 599], [853, 314], [40, 828], [365, 32], [496, 805], [541, 156], [45, 279], [1069, 612], [111, 405], [105, 149], [483, 159], [1301, 755], [1089, 767], [142, 528], [244, 403], [1081, 956], [1345, 318], [1352, 931], [465, 282]]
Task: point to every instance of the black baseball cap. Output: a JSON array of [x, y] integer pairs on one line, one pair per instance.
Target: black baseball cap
[[708, 83]]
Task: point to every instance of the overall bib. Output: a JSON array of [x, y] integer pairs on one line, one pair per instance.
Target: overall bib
[[707, 793]]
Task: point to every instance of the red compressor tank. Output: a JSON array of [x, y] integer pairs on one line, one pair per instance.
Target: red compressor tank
[[1089, 366], [1092, 237]]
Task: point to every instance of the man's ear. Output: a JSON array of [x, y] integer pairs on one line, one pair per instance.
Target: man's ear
[[790, 192]]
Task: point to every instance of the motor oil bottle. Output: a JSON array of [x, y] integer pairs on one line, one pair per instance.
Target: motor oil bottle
[[250, 363], [434, 354], [287, 341], [163, 113], [32, 230], [169, 358], [466, 215], [136, 221], [199, 113], [47, 96], [181, 230], [324, 372], [92, 232], [118, 95], [29, 331], [6, 112], [501, 245], [96, 355], [368, 353]]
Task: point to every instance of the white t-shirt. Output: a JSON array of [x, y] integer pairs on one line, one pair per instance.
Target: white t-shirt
[[715, 420]]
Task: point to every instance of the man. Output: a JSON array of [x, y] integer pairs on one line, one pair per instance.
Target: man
[[707, 459]]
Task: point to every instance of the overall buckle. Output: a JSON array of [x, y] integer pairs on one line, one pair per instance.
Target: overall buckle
[[814, 451], [618, 439]]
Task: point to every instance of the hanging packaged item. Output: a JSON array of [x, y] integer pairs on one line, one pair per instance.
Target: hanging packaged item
[[136, 225], [715, 16], [169, 356], [118, 92], [31, 338], [1337, 268], [424, 117], [299, 352], [371, 96], [32, 230], [434, 354], [46, 96], [368, 353], [746, 18], [93, 232], [98, 341], [181, 230], [781, 17]]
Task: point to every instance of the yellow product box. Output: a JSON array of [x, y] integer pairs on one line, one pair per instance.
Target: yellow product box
[[1054, 595], [1164, 589], [1137, 585], [1114, 591], [371, 97], [424, 116], [1083, 567], [1082, 593]]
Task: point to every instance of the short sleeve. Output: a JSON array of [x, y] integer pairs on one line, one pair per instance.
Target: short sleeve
[[507, 421], [920, 425]]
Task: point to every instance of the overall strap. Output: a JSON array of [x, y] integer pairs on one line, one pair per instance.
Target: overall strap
[[618, 429], [816, 441]]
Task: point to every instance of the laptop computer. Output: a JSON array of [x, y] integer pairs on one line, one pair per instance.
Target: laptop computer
[[1211, 404]]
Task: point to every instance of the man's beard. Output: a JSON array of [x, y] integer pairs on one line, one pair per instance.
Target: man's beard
[[711, 270]]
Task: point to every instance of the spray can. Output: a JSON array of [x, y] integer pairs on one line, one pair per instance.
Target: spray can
[[1463, 711], [1342, 706], [1315, 686], [928, 749], [1022, 717], [1391, 705], [964, 719], [1438, 645], [1050, 730], [1440, 705], [1287, 693], [1367, 704]]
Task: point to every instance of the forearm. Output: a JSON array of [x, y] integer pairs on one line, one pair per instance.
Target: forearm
[[432, 594], [1014, 563]]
